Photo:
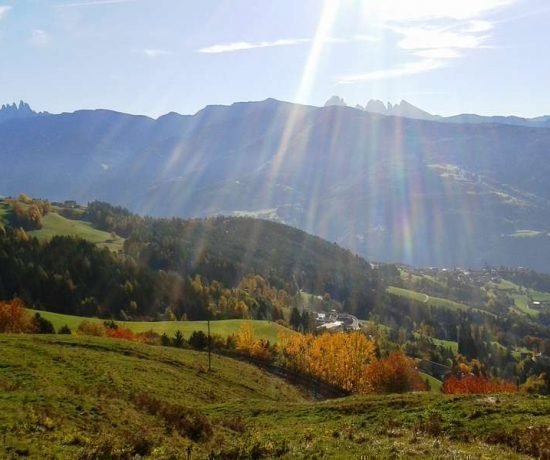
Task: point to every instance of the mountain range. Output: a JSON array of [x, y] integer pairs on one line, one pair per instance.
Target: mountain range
[[384, 183], [407, 110]]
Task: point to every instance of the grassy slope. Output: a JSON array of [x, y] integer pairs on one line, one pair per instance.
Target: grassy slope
[[438, 302], [522, 296], [433, 301], [53, 224], [69, 397], [443, 343], [435, 385], [263, 329]]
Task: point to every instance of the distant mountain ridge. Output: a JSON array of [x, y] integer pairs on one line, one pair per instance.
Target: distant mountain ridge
[[422, 192], [12, 111], [407, 110]]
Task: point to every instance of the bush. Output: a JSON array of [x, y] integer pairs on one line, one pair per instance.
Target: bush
[[217, 342], [395, 374], [64, 330], [198, 340], [165, 340], [473, 384], [178, 340], [91, 328], [536, 384], [14, 318], [120, 333], [42, 325], [149, 337]]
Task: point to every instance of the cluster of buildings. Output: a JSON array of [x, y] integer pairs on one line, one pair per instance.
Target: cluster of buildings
[[333, 321]]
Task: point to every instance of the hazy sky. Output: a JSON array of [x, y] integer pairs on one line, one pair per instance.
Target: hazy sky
[[156, 56]]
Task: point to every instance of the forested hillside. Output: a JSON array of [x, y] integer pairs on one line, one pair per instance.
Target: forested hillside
[[220, 267]]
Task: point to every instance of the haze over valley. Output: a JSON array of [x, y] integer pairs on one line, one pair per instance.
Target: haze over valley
[[427, 192]]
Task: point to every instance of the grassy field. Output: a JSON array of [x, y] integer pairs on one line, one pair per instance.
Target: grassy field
[[443, 343], [437, 302], [521, 302], [53, 224], [447, 344], [435, 385], [263, 329], [504, 285], [67, 397], [433, 301]]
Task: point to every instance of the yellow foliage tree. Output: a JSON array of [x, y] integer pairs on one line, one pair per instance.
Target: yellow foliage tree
[[339, 359], [246, 338]]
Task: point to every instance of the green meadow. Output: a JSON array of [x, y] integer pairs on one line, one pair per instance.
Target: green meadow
[[87, 398], [263, 329]]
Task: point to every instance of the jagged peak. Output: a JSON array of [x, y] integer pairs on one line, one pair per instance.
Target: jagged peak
[[17, 110], [335, 100]]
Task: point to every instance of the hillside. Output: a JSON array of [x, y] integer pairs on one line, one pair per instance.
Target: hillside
[[54, 224], [393, 189], [222, 268], [88, 398]]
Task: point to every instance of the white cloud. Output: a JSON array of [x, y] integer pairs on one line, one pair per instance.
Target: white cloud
[[421, 10], [3, 10], [244, 45], [90, 3], [241, 46], [438, 53], [434, 32], [480, 26], [404, 70], [40, 38], [354, 39], [430, 38], [153, 53]]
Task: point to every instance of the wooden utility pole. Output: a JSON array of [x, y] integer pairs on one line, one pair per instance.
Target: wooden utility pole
[[209, 348]]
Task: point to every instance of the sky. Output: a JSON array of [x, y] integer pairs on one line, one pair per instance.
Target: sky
[[155, 56]]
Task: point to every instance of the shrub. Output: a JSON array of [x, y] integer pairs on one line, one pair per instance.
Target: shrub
[[218, 342], [91, 328], [42, 325], [64, 330], [14, 318], [178, 340], [473, 384], [120, 333], [198, 340], [536, 384], [165, 340], [149, 337], [395, 374]]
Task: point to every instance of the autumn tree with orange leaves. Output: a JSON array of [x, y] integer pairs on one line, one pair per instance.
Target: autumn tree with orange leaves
[[14, 318], [395, 374]]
